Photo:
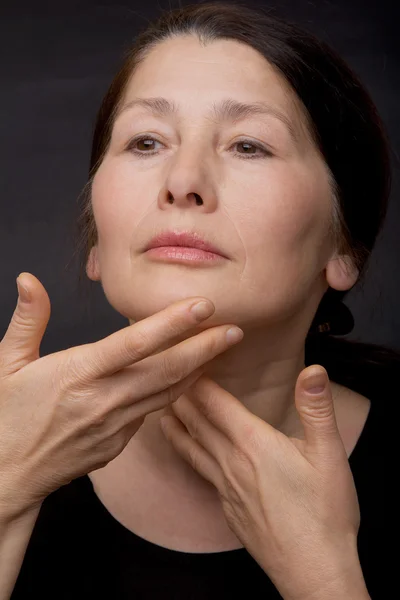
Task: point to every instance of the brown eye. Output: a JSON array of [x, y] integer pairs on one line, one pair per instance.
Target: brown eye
[[143, 144], [251, 154], [246, 146]]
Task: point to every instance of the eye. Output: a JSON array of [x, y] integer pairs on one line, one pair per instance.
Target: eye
[[143, 138], [246, 143], [263, 152]]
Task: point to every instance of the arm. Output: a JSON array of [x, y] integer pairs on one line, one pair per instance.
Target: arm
[[15, 533]]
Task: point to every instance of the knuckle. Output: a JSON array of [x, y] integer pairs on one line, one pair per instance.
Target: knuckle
[[172, 369], [78, 397], [89, 369], [25, 322], [212, 345], [89, 414], [134, 346], [251, 438], [93, 362], [172, 321], [98, 422], [67, 375]]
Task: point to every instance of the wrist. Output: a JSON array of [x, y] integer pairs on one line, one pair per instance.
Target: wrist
[[336, 578], [14, 505], [344, 586]]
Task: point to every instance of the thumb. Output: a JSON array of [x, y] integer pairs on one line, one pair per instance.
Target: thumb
[[314, 403], [21, 342]]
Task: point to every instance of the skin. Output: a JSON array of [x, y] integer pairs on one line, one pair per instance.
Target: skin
[[270, 215]]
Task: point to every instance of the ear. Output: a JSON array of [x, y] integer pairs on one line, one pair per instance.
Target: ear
[[92, 265], [341, 274]]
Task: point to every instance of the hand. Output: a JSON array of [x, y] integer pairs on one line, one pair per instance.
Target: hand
[[291, 502], [72, 412]]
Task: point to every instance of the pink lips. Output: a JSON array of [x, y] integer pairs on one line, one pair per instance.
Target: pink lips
[[186, 240]]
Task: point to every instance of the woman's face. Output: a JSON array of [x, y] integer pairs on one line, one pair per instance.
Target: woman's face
[[264, 187]]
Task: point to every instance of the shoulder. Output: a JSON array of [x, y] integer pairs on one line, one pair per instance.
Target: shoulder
[[351, 410]]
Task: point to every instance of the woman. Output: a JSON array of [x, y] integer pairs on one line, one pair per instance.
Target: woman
[[258, 143]]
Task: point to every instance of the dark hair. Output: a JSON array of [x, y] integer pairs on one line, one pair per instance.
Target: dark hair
[[343, 123]]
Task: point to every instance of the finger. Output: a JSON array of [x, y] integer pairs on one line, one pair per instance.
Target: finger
[[132, 411], [203, 431], [314, 403], [163, 370], [137, 341], [191, 451], [225, 412], [21, 342]]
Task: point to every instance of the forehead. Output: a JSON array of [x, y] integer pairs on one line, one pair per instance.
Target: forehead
[[200, 75]]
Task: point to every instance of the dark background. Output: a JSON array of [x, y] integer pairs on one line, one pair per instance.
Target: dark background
[[57, 60]]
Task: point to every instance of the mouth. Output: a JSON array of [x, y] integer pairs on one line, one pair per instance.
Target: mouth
[[187, 247], [183, 254]]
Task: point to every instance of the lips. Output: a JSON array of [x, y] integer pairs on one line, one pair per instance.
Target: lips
[[184, 238]]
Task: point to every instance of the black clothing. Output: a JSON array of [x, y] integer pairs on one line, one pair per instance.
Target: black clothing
[[78, 550]]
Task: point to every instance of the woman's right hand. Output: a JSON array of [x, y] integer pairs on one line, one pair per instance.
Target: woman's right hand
[[72, 412]]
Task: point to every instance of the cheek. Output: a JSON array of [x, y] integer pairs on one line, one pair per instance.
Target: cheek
[[284, 234], [113, 198], [290, 215]]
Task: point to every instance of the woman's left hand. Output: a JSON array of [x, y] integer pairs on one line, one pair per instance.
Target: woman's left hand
[[291, 502]]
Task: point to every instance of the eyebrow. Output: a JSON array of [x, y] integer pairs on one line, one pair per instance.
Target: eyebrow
[[227, 110]]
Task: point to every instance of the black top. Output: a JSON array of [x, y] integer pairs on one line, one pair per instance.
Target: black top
[[78, 550]]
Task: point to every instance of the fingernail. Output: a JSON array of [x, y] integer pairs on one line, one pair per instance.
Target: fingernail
[[316, 383], [202, 310], [233, 335], [23, 293]]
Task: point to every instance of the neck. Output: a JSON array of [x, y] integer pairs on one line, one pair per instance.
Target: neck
[[259, 373]]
